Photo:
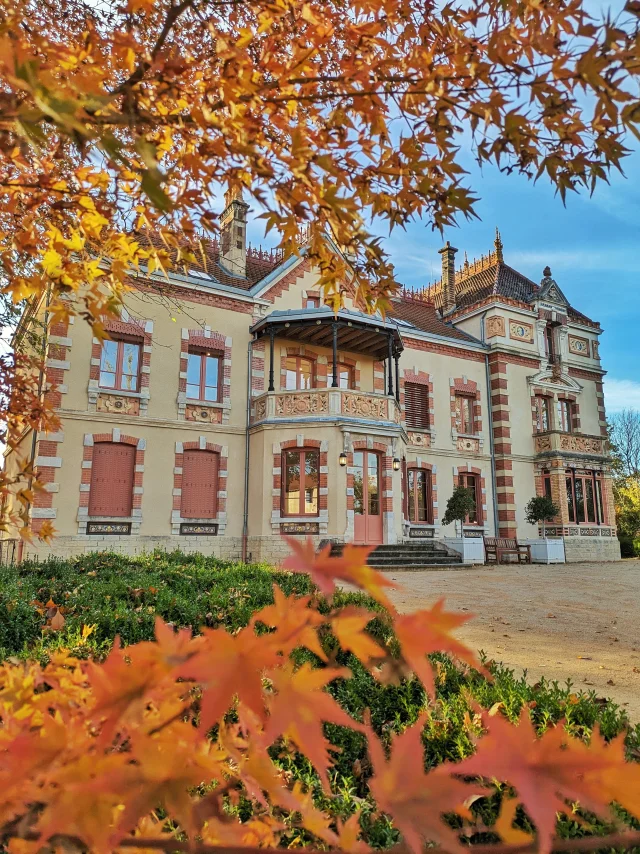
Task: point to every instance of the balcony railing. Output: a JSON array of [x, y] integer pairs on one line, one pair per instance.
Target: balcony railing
[[578, 443], [325, 403]]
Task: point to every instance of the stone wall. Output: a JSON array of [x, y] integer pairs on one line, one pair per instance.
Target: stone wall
[[582, 549]]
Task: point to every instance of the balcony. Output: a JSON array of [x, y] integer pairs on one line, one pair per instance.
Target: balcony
[[325, 404], [568, 444]]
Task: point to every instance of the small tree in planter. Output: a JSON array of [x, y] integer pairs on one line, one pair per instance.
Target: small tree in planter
[[541, 509], [459, 506]]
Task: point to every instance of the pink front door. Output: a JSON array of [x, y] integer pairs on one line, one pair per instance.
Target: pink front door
[[367, 503]]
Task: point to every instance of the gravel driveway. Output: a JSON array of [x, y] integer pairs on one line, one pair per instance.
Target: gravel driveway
[[577, 621]]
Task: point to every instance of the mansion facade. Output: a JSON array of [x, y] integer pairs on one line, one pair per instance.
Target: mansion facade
[[230, 406]]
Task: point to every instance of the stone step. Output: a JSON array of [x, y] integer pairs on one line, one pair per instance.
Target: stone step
[[414, 556]]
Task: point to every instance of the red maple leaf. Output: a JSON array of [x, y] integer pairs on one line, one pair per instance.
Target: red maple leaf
[[351, 566], [423, 632]]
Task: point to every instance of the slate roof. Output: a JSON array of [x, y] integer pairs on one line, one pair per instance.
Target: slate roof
[[423, 315]]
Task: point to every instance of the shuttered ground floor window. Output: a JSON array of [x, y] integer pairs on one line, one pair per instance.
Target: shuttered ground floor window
[[199, 485], [111, 489]]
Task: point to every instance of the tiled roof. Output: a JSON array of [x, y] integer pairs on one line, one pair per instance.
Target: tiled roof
[[423, 315], [259, 262]]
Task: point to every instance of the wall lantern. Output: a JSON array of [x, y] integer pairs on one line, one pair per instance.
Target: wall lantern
[[396, 464], [342, 459]]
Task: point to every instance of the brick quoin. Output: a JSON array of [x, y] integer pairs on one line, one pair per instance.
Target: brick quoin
[[501, 427]]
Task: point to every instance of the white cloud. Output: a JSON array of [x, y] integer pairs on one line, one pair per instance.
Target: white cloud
[[621, 394]]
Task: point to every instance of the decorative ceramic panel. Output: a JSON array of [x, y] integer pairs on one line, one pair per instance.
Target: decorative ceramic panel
[[595, 349], [118, 404], [495, 326], [108, 527], [199, 530], [521, 331], [463, 444], [579, 346], [313, 403], [421, 533], [421, 440], [204, 415], [300, 528]]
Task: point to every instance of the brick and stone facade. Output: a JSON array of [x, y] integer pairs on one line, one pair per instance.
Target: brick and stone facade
[[481, 335]]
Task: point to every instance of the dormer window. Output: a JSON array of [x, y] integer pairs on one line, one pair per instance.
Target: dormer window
[[312, 302]]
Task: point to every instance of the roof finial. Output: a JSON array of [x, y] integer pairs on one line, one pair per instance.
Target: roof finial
[[547, 272], [499, 246]]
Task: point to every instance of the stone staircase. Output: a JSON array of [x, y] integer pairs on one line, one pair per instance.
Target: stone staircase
[[411, 556]]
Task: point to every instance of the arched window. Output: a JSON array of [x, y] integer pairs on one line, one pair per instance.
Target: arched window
[[199, 497], [471, 482], [543, 420], [299, 373], [111, 488]]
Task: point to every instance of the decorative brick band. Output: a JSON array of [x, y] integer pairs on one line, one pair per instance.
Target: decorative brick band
[[205, 411], [445, 349], [304, 266], [85, 481], [505, 524], [113, 400], [323, 491], [221, 494]]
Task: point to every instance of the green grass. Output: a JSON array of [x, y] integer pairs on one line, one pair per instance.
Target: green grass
[[122, 595]]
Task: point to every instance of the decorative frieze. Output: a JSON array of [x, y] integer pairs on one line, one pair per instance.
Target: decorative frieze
[[109, 528], [302, 403], [118, 404], [364, 406], [203, 414], [420, 440], [465, 443], [300, 528], [202, 529]]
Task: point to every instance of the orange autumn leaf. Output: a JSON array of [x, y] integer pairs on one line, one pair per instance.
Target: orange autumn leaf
[[350, 567], [296, 623], [551, 771], [416, 800], [423, 632], [299, 707], [348, 626], [229, 666]]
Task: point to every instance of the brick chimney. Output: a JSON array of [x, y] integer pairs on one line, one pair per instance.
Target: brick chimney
[[448, 253], [233, 233]]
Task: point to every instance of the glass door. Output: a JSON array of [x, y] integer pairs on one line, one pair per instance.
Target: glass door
[[367, 498]]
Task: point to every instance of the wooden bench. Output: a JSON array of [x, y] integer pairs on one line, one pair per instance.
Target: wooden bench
[[496, 547]]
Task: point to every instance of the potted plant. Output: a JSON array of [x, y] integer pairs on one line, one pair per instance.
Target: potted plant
[[459, 506], [541, 509]]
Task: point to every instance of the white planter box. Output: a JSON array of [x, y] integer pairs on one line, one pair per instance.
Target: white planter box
[[471, 548], [547, 550]]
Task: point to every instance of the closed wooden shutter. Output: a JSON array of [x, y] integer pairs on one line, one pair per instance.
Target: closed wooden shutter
[[111, 491], [416, 405], [199, 485]]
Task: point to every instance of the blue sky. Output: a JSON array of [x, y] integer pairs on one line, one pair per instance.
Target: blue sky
[[592, 246]]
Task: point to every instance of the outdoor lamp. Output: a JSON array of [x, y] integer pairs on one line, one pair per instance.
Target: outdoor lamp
[[342, 459], [396, 464]]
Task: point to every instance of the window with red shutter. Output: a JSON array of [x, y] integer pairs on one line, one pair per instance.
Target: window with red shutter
[[199, 485], [111, 490], [416, 405]]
